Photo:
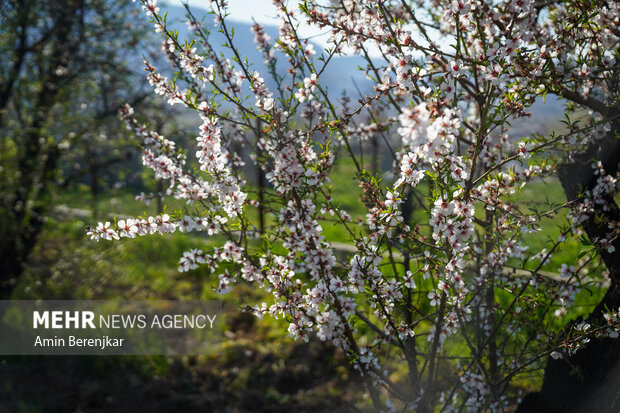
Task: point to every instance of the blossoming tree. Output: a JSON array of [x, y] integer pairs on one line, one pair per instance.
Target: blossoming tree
[[457, 300]]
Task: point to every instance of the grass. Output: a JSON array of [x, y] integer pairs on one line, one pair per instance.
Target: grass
[[346, 194], [163, 252], [66, 265]]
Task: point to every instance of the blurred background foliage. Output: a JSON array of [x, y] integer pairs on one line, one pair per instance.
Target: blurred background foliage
[[66, 161], [63, 73]]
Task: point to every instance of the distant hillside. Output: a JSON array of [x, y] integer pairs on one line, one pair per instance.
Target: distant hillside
[[339, 76], [342, 74]]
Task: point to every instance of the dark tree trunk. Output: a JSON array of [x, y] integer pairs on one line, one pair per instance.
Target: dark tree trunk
[[37, 160], [260, 183], [374, 141], [94, 181], [159, 205], [588, 381]]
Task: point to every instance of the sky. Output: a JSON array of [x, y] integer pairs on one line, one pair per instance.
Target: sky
[[262, 11]]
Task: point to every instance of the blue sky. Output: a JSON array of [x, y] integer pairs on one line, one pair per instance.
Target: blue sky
[[262, 11]]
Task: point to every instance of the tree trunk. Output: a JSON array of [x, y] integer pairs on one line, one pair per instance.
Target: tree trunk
[[588, 381], [37, 161]]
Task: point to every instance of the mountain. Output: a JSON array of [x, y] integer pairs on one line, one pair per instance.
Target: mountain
[[342, 74]]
